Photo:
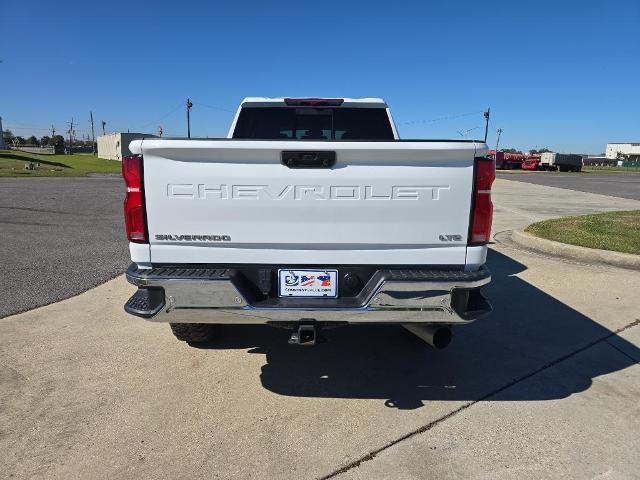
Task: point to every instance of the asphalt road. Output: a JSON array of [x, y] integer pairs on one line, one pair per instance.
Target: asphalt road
[[624, 185], [59, 237], [545, 387]]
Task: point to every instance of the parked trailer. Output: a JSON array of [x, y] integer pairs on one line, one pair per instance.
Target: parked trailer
[[507, 161], [565, 162]]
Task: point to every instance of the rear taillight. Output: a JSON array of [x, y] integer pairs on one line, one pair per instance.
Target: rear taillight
[[314, 102], [482, 214], [134, 214]]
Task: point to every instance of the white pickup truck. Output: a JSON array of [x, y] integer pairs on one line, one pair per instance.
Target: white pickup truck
[[312, 213]]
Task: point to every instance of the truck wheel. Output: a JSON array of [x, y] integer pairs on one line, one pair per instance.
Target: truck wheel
[[193, 332]]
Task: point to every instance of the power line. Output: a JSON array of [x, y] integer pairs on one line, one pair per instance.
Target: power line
[[41, 129], [213, 107], [439, 119], [160, 119], [139, 127], [464, 133], [14, 127]]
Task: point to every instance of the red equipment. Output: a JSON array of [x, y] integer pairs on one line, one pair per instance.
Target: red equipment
[[507, 161], [531, 162]]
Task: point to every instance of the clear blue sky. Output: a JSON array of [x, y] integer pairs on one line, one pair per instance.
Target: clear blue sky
[[562, 74]]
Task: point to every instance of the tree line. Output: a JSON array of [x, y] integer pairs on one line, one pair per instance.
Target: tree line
[[44, 141]]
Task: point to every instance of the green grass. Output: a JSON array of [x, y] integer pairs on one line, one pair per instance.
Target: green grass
[[616, 231], [12, 164]]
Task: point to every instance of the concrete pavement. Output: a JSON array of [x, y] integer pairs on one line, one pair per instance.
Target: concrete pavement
[[86, 391], [518, 204], [593, 435]]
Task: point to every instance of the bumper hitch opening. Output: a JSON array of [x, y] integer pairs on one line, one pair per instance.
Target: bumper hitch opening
[[308, 333]]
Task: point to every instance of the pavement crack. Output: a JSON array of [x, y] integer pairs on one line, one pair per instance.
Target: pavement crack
[[425, 428], [622, 352]]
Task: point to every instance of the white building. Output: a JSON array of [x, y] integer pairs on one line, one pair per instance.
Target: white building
[[114, 146], [629, 150]]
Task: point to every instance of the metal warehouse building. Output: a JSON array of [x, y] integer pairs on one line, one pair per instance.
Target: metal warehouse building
[[114, 146], [631, 151]]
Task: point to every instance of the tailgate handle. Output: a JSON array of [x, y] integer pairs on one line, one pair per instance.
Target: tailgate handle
[[308, 159]]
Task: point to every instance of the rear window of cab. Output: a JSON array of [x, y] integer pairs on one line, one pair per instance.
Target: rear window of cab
[[312, 123]]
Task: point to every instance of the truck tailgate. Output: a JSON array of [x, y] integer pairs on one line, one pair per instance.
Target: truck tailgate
[[234, 202]]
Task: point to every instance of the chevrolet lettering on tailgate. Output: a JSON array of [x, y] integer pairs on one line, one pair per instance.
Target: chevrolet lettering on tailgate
[[305, 192]]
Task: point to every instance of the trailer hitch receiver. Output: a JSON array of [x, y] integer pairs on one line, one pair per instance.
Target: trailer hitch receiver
[[307, 333]]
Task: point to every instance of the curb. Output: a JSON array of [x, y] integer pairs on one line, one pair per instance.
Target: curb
[[573, 252]]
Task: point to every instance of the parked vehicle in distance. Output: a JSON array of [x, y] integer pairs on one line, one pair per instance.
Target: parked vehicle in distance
[[599, 161], [506, 160], [312, 213], [565, 162], [531, 162]]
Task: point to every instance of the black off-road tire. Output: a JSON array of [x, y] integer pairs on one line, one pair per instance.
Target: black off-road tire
[[193, 332]]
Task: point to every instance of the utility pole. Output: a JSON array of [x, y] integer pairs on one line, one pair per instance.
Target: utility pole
[[189, 105], [70, 136], [486, 123], [53, 131], [93, 135], [1, 136], [498, 131], [103, 124]]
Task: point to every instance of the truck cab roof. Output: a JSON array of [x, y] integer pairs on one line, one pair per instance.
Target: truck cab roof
[[290, 101], [262, 118]]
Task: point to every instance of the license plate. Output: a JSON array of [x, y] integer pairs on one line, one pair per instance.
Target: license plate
[[308, 283]]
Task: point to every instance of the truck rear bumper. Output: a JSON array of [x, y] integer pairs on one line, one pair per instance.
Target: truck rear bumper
[[184, 294]]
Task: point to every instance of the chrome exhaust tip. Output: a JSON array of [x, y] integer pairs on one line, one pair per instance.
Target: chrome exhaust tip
[[438, 336]]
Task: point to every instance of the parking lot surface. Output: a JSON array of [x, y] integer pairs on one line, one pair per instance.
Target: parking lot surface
[[60, 237], [625, 185], [530, 431], [546, 386]]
